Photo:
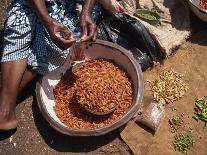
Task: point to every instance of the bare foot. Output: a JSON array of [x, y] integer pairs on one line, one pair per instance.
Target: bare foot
[[7, 121]]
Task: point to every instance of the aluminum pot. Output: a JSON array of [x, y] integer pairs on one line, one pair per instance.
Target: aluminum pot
[[98, 49], [198, 11]]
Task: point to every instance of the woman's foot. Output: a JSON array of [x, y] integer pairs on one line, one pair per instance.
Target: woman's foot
[[9, 125], [8, 119], [7, 122]]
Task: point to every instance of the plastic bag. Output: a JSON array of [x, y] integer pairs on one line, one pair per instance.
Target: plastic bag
[[151, 116], [130, 34]]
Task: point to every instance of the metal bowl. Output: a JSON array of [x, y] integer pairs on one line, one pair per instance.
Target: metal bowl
[[98, 49], [198, 10]]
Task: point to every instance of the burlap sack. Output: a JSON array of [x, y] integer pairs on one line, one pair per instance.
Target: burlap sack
[[175, 21]]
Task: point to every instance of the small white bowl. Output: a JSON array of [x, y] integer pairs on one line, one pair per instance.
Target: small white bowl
[[198, 10]]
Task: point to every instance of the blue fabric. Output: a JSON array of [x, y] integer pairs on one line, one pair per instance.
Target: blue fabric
[[26, 37]]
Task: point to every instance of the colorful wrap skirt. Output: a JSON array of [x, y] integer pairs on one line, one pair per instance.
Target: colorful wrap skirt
[[26, 38]]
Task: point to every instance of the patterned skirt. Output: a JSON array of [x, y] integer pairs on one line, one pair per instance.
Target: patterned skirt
[[26, 38]]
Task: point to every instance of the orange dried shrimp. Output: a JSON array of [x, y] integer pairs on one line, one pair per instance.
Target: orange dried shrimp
[[97, 84], [203, 4]]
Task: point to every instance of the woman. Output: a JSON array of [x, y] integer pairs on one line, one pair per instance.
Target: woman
[[36, 38]]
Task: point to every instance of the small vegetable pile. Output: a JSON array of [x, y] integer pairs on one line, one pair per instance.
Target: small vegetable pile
[[183, 142], [203, 4], [201, 110], [150, 16], [97, 84], [183, 133], [175, 123], [169, 87], [147, 16]]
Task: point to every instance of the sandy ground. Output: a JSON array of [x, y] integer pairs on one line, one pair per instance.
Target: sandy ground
[[35, 136]]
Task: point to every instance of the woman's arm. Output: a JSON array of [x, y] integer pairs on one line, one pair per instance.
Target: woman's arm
[[89, 28], [53, 26], [88, 6], [40, 8]]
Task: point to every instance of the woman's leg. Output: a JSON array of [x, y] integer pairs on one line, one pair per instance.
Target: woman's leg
[[28, 76], [12, 75]]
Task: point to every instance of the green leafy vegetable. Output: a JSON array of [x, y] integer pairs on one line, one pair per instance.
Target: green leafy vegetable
[[156, 10], [201, 110], [149, 16], [175, 123], [183, 143]]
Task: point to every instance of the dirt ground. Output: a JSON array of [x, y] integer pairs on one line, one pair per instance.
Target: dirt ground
[[35, 136], [189, 60]]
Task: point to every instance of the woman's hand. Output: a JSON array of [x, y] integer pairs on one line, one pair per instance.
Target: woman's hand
[[54, 28], [89, 27], [60, 35]]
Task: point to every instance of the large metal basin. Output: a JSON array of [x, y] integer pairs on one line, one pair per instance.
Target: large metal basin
[[98, 49], [198, 10]]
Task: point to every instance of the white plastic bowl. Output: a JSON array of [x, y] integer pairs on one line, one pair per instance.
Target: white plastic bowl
[[198, 10], [98, 49]]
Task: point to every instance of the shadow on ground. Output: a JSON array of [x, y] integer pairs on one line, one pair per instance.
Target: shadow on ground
[[6, 134], [198, 26], [64, 143]]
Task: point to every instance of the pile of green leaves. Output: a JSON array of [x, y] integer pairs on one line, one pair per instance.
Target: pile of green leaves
[[175, 123], [201, 110], [156, 10], [183, 143], [150, 16]]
